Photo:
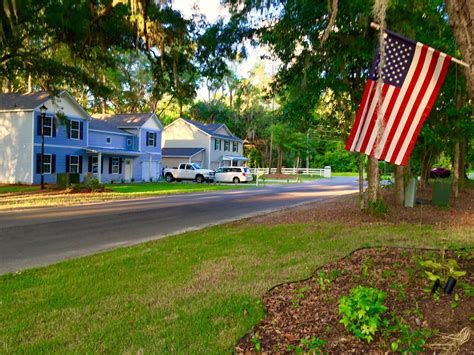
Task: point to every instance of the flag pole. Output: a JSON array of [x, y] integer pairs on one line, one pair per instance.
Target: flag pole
[[455, 60]]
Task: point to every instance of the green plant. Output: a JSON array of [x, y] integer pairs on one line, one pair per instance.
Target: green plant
[[388, 273], [400, 288], [442, 270], [256, 342], [323, 280], [402, 338], [377, 208], [298, 295], [313, 346], [366, 266], [362, 310]]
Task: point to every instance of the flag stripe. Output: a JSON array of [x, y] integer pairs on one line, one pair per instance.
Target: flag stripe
[[393, 100], [363, 104], [426, 111], [405, 98], [373, 120], [373, 88], [420, 103], [368, 117], [414, 100]]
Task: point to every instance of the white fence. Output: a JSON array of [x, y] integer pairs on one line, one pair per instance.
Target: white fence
[[326, 172]]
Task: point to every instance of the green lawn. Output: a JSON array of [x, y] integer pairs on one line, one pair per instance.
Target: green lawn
[[5, 189], [194, 293], [169, 188]]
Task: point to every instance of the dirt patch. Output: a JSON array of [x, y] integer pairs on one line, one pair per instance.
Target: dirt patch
[[346, 210], [305, 312]]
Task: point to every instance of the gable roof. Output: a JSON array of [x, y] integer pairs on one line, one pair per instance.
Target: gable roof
[[15, 101], [125, 120], [211, 129], [32, 101]]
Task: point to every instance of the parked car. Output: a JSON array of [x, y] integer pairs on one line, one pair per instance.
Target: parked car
[[438, 173], [188, 171], [235, 174]]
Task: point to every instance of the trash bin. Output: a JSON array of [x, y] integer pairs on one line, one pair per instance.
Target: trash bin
[[441, 192], [410, 193]]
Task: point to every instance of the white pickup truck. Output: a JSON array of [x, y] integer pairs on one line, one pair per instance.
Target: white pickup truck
[[189, 171]]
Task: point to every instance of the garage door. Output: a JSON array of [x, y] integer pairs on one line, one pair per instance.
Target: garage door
[[150, 170]]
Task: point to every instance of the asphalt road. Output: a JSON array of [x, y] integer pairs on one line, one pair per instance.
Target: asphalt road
[[41, 236]]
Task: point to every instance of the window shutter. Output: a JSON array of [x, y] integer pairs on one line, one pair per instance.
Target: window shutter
[[81, 131], [68, 129], [154, 140], [80, 164], [110, 165], [68, 162], [38, 125], [38, 163], [102, 164], [53, 124], [89, 159], [147, 133], [53, 163], [120, 166]]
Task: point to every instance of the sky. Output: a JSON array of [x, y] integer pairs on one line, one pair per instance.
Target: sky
[[213, 10]]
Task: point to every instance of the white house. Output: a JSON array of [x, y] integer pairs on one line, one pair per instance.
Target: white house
[[210, 145]]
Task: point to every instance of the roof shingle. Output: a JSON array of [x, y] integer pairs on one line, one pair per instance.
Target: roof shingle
[[12, 102]]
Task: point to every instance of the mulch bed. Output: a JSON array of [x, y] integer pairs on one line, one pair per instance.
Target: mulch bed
[[291, 318]]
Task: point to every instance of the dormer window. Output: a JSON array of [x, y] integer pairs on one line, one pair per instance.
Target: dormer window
[[74, 130]]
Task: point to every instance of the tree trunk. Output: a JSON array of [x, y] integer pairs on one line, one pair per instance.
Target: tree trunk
[[373, 180], [361, 182], [455, 180], [8, 86], [30, 83], [399, 185], [425, 168], [461, 15], [270, 160], [280, 160]]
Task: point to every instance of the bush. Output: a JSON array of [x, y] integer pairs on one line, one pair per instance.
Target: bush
[[362, 311], [88, 186]]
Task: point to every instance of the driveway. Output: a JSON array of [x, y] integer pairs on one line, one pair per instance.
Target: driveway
[[42, 236]]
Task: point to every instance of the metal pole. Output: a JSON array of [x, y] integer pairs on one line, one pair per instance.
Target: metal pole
[[42, 150]]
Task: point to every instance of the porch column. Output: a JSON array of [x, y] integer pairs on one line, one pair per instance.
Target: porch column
[[99, 167]]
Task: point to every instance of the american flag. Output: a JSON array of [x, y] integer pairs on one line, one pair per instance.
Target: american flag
[[412, 77]]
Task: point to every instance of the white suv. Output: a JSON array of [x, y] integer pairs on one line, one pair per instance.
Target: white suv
[[235, 174]]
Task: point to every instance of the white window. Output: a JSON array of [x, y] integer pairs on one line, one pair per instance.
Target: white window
[[74, 130], [48, 126], [74, 164], [235, 146], [226, 146], [47, 163], [129, 142], [109, 140], [115, 165], [94, 165], [150, 139]]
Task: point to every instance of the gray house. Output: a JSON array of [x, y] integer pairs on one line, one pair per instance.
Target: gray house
[[210, 145]]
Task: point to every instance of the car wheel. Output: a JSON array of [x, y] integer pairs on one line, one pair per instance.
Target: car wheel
[[199, 179], [169, 178], [236, 180]]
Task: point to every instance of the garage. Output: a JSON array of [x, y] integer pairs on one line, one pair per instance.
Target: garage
[[150, 170], [172, 157]]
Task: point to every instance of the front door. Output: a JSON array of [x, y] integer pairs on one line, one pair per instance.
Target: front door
[[128, 169]]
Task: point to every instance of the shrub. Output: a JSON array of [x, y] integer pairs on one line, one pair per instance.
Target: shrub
[[362, 310]]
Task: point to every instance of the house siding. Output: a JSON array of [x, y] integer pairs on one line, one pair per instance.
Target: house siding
[[16, 147], [117, 141]]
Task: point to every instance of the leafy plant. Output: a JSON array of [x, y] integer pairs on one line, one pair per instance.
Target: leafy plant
[[362, 310], [442, 270], [402, 338], [313, 346], [256, 342], [366, 266], [298, 295]]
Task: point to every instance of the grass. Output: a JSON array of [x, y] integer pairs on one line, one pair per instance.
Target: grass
[[6, 189], [194, 293], [119, 192], [169, 188]]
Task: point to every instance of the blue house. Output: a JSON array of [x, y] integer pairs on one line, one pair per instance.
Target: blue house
[[116, 147]]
